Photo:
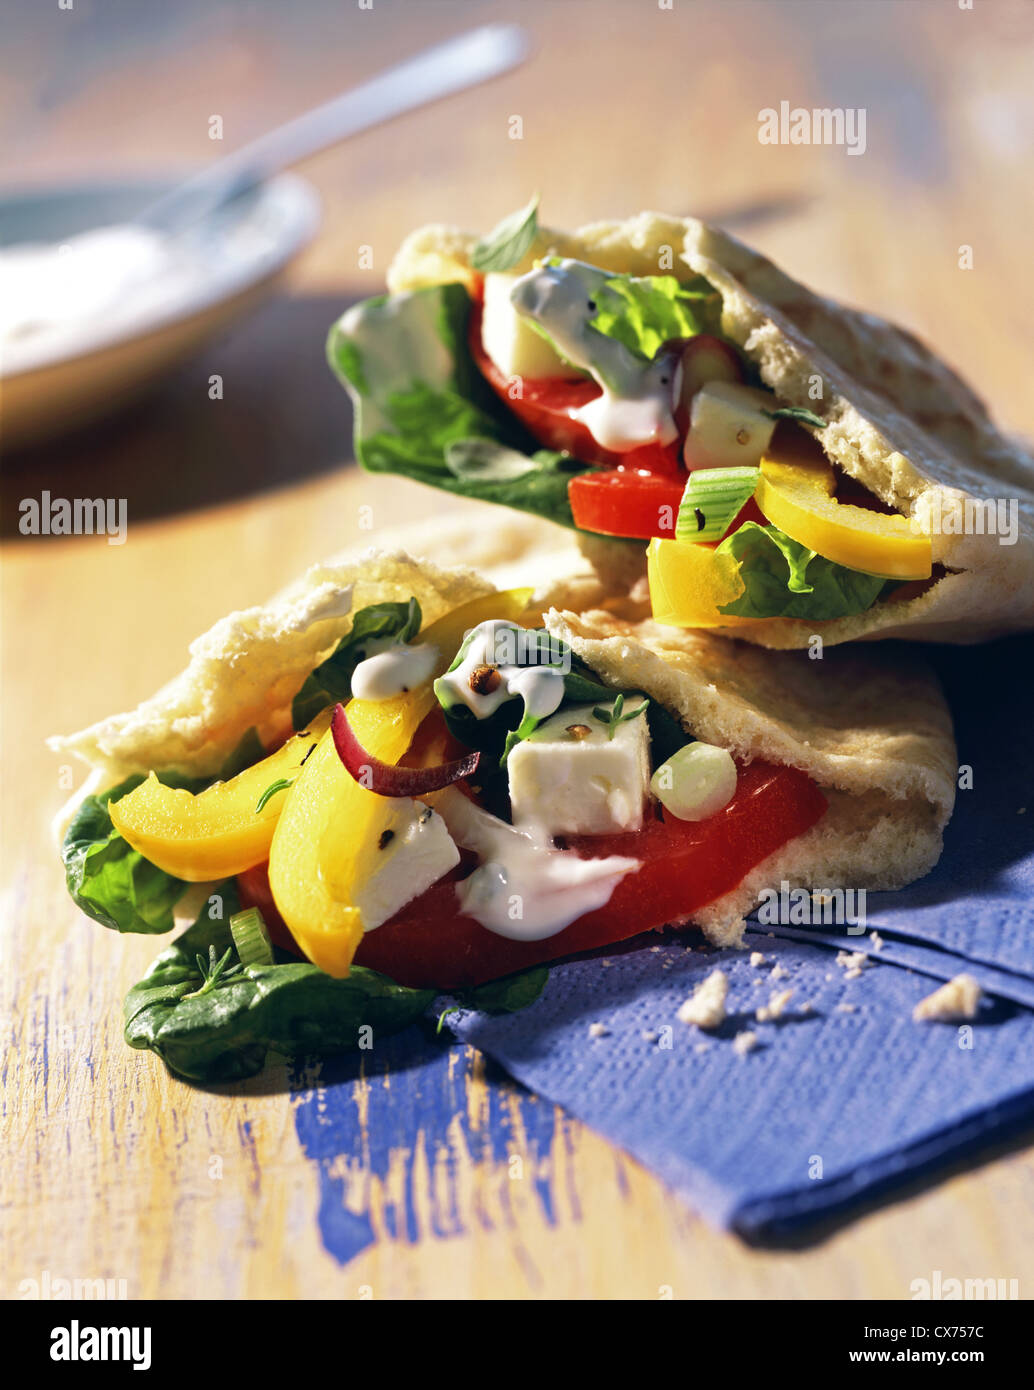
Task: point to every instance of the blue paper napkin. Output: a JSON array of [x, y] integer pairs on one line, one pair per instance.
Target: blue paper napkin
[[849, 1097], [833, 1104]]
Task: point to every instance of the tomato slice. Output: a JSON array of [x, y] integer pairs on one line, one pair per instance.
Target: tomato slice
[[685, 865], [635, 504], [429, 944], [547, 408]]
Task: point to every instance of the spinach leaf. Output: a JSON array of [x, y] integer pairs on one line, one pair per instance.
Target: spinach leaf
[[507, 243], [422, 406], [783, 579], [375, 626], [667, 735], [497, 734], [108, 879], [505, 996], [112, 882], [290, 1008]]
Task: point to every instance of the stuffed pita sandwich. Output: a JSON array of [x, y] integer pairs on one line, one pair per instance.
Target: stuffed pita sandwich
[[396, 779], [774, 465]]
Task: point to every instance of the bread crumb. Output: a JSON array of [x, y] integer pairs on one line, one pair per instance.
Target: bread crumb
[[598, 1030], [757, 959], [648, 1035], [853, 963], [954, 1002], [804, 1008], [877, 940], [846, 1008], [703, 1047], [779, 973], [775, 1006], [706, 1005], [744, 1042]]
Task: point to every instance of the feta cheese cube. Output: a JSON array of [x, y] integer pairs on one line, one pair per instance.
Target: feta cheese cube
[[728, 427], [570, 778], [415, 851], [511, 339]]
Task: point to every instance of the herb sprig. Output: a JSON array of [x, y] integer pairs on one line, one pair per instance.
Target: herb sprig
[[798, 413], [617, 714], [214, 972], [281, 784]]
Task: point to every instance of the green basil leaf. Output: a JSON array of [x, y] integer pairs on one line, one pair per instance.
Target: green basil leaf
[[508, 242]]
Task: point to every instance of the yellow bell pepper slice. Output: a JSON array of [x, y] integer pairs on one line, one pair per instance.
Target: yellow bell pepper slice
[[792, 498], [331, 824], [689, 584], [217, 832]]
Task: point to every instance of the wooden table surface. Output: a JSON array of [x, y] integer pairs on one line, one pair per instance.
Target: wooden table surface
[[114, 1170]]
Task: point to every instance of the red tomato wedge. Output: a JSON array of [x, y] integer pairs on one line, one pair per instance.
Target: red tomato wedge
[[626, 502], [630, 503], [547, 407], [685, 865]]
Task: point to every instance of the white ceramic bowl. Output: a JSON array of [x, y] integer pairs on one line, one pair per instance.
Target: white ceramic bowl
[[52, 383]]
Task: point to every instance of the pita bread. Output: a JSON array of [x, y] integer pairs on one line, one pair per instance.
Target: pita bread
[[874, 733], [899, 420], [244, 672], [871, 728]]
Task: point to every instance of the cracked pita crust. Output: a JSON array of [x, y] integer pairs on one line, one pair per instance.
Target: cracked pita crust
[[245, 671]]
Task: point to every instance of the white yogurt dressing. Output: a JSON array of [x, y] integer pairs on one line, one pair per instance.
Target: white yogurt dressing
[[393, 671], [398, 341], [47, 287], [524, 889], [540, 687], [636, 405]]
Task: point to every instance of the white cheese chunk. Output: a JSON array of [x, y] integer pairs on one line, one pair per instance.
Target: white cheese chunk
[[511, 340], [570, 778], [728, 427], [416, 851]]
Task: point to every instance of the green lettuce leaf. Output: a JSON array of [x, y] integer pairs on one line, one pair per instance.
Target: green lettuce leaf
[[332, 680], [646, 312], [783, 579], [421, 403], [291, 1007]]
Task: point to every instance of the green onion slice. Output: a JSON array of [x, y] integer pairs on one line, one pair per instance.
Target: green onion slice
[[251, 938], [711, 501]]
